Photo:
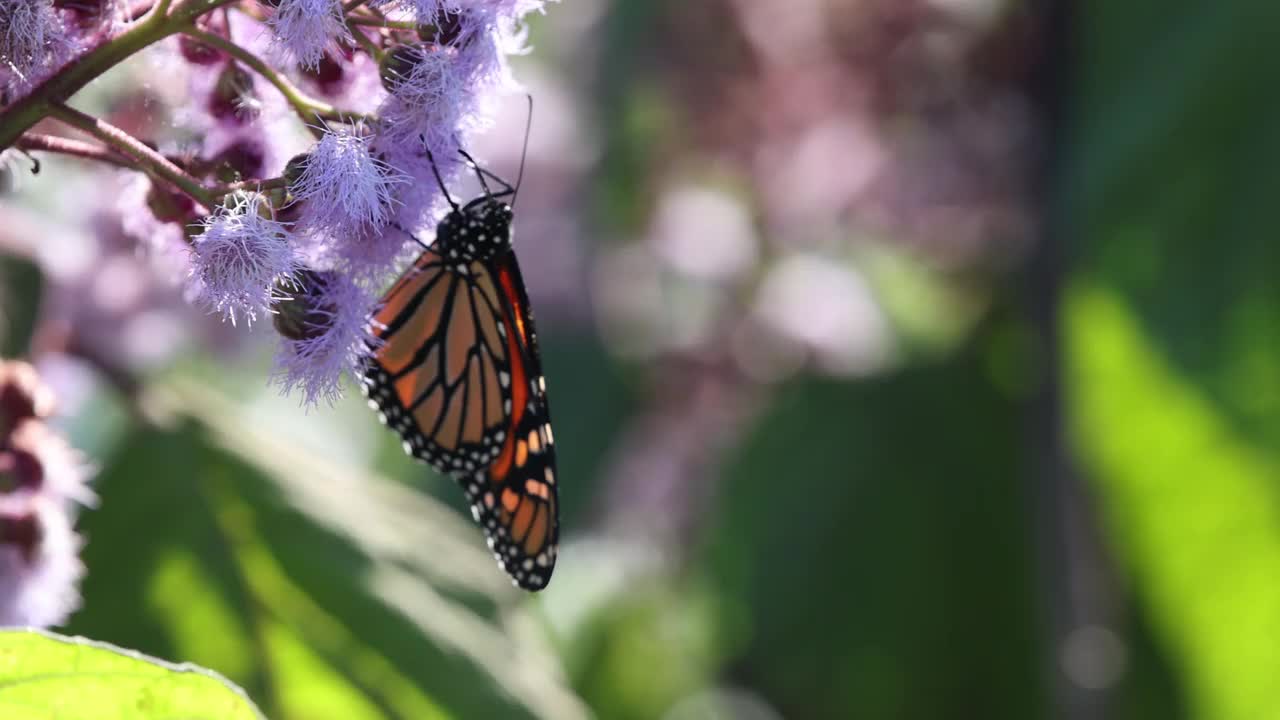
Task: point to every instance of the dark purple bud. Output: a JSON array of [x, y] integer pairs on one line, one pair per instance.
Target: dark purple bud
[[233, 96], [20, 469], [329, 75], [198, 53], [22, 395], [169, 205], [446, 31], [240, 160], [399, 63], [84, 13], [299, 313], [22, 530]]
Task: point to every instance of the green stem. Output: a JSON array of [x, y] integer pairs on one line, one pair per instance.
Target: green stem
[[369, 46], [307, 108], [74, 148], [383, 23], [254, 185], [149, 159]]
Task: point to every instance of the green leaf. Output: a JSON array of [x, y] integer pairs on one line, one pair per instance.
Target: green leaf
[[1190, 503], [43, 675], [870, 543], [324, 591], [1173, 328]]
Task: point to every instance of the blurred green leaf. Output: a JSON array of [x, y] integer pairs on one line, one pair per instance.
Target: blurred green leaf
[[870, 549], [20, 285], [43, 675], [1172, 188], [650, 642], [1173, 327], [1193, 506], [325, 592]]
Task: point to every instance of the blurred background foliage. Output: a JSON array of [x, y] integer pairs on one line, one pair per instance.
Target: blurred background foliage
[[909, 360]]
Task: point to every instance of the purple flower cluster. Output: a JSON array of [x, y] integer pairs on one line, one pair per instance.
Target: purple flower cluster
[[38, 36], [41, 485], [379, 89]]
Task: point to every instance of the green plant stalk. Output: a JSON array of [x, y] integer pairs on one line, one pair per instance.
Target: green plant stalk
[[276, 183], [74, 148], [156, 26], [384, 23], [129, 146], [369, 46]]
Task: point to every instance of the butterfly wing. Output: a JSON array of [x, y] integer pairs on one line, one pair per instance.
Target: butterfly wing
[[441, 374], [515, 499], [467, 395]]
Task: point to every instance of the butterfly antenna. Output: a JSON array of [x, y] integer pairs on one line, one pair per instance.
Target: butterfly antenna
[[471, 162], [524, 151], [435, 170], [415, 238]]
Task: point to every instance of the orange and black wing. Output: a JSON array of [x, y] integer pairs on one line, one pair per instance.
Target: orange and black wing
[[515, 499], [442, 374]]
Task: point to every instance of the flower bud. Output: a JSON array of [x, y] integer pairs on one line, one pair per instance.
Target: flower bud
[[241, 159], [294, 169], [446, 30], [40, 570], [83, 13], [234, 97], [399, 63], [198, 53], [300, 310], [21, 531], [328, 73], [169, 205], [20, 469], [22, 395]]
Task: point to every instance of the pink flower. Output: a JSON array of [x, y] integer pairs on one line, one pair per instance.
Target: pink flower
[[39, 565], [42, 479]]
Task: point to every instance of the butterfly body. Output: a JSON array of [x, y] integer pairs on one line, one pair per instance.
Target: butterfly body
[[457, 374]]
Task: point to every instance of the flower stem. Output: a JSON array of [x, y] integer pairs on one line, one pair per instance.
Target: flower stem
[[307, 108], [255, 185], [383, 23], [72, 147], [369, 45], [150, 160]]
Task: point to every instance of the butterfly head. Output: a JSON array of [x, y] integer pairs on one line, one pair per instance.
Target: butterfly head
[[480, 230]]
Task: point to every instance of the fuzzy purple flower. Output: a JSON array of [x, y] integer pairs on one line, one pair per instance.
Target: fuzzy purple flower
[[437, 93], [39, 459], [345, 191], [323, 320], [31, 38], [307, 27], [241, 255]]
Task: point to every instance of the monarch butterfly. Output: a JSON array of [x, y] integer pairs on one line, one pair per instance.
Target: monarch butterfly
[[457, 374]]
